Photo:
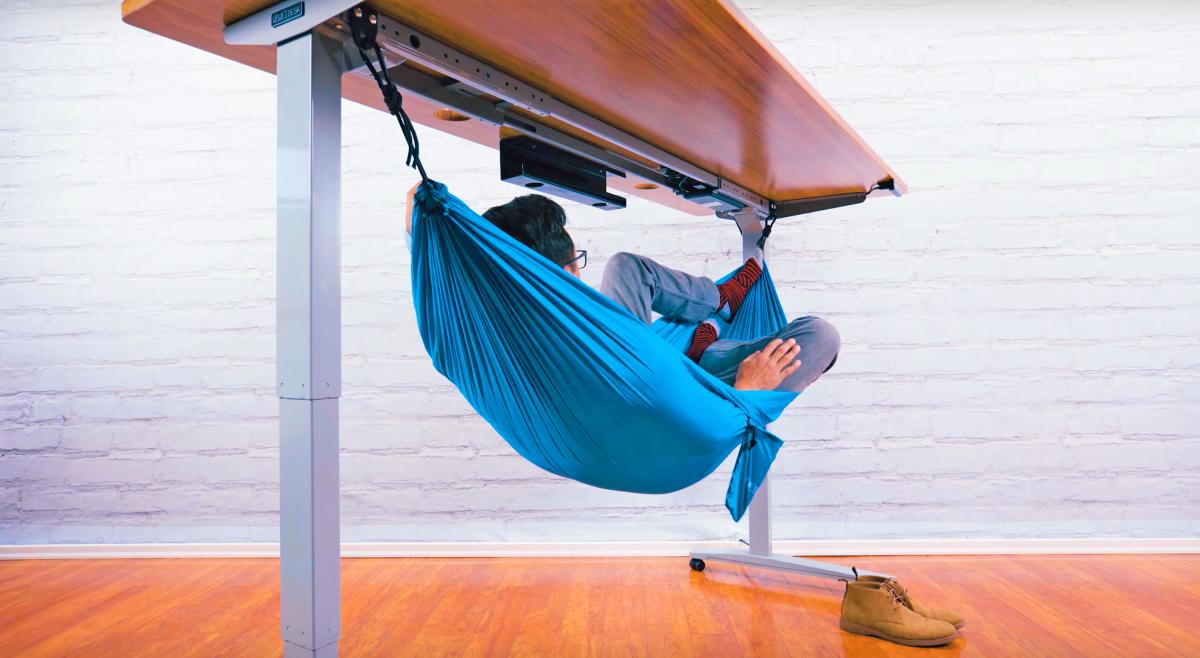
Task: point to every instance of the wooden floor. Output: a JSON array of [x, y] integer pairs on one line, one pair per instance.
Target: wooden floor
[[1027, 605]]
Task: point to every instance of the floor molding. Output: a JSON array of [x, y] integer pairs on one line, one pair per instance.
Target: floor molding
[[1001, 546]]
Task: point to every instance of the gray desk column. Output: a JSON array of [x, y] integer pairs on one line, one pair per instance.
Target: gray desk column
[[761, 552], [751, 228], [308, 342]]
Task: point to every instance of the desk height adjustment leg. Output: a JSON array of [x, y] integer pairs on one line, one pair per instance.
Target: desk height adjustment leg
[[308, 342], [761, 552]]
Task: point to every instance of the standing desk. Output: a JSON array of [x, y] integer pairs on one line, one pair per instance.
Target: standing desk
[[682, 102]]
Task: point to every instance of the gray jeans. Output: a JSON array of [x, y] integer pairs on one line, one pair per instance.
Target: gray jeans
[[642, 285]]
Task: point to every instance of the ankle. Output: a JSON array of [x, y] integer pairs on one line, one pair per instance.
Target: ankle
[[705, 335]]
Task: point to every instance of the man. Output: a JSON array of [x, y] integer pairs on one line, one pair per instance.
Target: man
[[641, 285]]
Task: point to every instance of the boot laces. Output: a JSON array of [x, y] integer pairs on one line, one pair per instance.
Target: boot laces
[[897, 590]]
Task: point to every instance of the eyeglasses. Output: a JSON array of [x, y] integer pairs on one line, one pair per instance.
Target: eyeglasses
[[580, 255]]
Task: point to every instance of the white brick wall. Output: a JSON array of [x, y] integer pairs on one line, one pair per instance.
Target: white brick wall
[[1021, 333]]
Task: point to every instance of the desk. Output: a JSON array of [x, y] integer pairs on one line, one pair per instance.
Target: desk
[[674, 94], [693, 78]]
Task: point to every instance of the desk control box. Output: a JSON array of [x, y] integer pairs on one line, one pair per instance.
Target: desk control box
[[548, 169]]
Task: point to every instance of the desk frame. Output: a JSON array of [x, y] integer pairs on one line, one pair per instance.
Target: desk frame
[[311, 59]]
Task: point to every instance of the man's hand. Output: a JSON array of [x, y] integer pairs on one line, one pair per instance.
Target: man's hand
[[409, 207], [766, 368]]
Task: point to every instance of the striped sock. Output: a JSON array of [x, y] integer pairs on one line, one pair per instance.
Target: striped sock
[[733, 292], [705, 336]]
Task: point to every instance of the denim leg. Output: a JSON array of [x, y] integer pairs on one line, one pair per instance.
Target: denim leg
[[819, 345], [642, 285]]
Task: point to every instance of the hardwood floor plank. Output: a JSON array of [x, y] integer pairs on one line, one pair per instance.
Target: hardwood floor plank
[[1019, 605], [667, 633]]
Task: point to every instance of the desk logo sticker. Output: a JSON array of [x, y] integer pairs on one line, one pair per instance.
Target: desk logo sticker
[[287, 14]]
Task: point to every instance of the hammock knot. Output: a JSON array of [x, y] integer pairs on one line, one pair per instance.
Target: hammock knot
[[431, 198], [393, 100], [749, 440]]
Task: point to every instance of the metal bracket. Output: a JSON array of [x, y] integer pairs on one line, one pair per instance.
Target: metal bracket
[[364, 26], [816, 204], [283, 21], [729, 188]]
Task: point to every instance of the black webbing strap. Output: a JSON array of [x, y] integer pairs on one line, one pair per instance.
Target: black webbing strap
[[363, 27], [768, 224]]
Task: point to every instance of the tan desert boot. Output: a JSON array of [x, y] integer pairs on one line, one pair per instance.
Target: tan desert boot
[[948, 616], [875, 610]]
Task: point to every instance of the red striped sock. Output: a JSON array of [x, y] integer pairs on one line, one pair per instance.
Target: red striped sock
[[733, 292], [706, 335]]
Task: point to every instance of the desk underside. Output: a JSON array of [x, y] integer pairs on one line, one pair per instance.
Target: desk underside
[[691, 77]]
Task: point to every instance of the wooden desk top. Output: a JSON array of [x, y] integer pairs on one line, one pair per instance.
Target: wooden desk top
[[692, 77]]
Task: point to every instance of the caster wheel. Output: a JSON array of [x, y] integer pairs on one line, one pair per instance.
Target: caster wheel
[[696, 564]]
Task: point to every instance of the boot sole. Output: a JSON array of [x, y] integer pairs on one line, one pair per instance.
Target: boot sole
[[859, 629]]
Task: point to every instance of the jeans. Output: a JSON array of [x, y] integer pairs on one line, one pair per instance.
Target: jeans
[[642, 285]]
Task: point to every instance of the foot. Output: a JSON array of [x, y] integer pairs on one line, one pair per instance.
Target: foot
[[733, 292], [873, 609], [706, 335], [948, 616]]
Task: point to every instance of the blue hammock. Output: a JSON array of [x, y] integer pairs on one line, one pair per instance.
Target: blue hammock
[[574, 382]]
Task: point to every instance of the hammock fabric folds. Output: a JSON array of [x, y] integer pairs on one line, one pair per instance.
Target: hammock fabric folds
[[571, 380]]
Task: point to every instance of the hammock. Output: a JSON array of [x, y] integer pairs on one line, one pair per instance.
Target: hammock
[[574, 382]]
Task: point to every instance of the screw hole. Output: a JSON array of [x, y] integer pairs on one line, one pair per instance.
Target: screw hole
[[414, 40], [533, 184], [599, 204]]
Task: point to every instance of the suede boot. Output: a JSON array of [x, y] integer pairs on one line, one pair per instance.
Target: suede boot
[[875, 610], [948, 616]]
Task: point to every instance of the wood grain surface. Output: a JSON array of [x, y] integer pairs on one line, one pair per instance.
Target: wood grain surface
[[1014, 605], [692, 77]]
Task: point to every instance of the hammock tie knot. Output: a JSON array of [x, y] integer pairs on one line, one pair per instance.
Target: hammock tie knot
[[393, 100]]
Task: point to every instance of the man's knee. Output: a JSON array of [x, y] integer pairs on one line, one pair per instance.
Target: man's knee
[[823, 340], [827, 334], [831, 338], [623, 272], [622, 263]]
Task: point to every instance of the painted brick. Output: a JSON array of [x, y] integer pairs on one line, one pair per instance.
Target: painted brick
[[1021, 335]]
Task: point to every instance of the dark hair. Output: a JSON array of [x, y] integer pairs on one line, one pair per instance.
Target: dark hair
[[536, 222]]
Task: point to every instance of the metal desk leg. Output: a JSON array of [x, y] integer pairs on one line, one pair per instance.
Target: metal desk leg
[[760, 553], [308, 342]]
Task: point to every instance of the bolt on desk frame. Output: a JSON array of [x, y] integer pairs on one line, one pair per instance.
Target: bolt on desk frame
[[312, 57]]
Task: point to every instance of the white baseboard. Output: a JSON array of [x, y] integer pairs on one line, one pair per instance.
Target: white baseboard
[[1001, 546]]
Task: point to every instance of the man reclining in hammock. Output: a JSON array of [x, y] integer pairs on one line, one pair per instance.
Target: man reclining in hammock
[[641, 285]]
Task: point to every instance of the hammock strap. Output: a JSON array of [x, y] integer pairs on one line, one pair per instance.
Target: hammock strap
[[768, 224], [363, 27]]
